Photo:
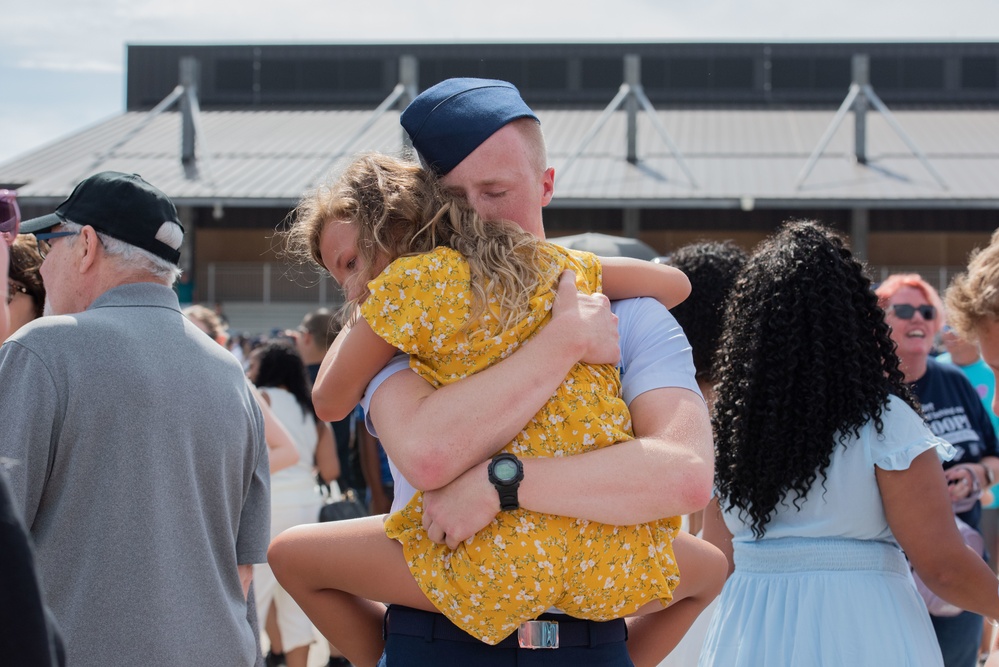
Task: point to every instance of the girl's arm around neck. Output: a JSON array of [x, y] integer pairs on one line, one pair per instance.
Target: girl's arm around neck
[[354, 358], [627, 278]]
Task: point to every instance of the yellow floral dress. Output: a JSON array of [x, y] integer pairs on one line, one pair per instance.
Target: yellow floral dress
[[523, 563]]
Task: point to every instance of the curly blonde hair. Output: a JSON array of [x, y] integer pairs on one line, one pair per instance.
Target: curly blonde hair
[[973, 297], [400, 209]]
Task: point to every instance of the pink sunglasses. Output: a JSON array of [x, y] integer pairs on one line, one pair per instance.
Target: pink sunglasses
[[10, 215]]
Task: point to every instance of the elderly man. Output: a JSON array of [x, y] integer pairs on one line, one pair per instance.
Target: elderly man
[[486, 144], [138, 459]]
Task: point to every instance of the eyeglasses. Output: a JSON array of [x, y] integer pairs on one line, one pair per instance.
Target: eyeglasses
[[905, 311], [13, 288], [44, 247], [10, 214]]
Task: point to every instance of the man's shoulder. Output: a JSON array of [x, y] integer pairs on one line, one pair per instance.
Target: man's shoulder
[[51, 331], [642, 314], [642, 306]]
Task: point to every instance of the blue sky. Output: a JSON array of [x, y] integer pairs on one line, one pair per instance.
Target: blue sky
[[62, 62]]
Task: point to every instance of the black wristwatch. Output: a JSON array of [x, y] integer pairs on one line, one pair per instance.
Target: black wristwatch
[[505, 473]]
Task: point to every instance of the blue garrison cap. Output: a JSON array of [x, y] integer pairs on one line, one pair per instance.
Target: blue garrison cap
[[449, 120]]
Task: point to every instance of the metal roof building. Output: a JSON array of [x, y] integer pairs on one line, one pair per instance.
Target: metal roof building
[[896, 144]]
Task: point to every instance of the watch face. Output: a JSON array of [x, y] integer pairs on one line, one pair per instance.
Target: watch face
[[505, 470]]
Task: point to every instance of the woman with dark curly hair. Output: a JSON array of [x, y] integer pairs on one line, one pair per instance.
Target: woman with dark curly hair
[[824, 469], [712, 268]]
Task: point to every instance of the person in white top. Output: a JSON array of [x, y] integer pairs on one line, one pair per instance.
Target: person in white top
[[278, 372]]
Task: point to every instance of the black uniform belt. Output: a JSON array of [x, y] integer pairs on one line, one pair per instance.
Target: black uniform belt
[[549, 631]]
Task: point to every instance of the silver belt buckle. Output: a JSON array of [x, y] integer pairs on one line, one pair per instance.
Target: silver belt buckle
[[538, 634]]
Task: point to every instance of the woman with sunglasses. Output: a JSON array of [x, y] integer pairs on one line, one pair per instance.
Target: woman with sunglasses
[[954, 412]]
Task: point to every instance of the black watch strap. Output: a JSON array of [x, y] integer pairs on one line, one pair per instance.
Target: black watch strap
[[505, 474], [508, 497]]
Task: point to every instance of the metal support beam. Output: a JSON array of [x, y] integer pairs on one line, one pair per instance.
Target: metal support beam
[[895, 125], [192, 132], [631, 91], [632, 222], [632, 79], [861, 77], [401, 95], [858, 97], [164, 104], [828, 135], [409, 77], [190, 72]]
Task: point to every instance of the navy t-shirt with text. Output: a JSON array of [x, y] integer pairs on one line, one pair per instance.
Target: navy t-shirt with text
[[954, 412]]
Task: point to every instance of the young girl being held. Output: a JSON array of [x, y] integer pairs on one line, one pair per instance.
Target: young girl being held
[[432, 279]]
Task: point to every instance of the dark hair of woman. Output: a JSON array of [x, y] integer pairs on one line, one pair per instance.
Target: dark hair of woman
[[712, 267], [805, 360], [281, 366]]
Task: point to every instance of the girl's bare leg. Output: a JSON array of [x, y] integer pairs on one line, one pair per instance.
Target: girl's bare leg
[[703, 570], [335, 571]]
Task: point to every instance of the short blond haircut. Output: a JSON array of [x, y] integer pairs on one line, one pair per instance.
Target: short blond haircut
[[973, 296], [534, 138]]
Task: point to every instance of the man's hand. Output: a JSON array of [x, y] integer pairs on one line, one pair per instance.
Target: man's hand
[[589, 318], [457, 511]]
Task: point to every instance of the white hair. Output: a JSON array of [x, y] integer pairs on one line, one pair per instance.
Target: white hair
[[169, 233]]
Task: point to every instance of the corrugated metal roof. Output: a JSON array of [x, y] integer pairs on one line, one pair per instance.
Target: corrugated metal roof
[[269, 158]]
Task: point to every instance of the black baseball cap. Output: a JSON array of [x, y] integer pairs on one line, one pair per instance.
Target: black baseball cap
[[123, 206]]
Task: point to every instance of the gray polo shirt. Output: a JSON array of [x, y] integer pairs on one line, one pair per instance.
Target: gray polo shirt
[[136, 453]]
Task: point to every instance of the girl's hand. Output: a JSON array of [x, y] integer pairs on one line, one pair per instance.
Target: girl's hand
[[588, 321]]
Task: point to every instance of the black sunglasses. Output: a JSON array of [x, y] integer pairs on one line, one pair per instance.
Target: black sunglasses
[[905, 311]]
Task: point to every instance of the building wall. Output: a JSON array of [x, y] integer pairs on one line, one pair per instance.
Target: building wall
[[942, 237]]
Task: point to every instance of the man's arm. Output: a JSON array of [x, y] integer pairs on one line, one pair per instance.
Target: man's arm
[[667, 470], [434, 436]]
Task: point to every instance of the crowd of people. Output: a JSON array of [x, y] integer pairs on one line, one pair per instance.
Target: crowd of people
[[721, 458]]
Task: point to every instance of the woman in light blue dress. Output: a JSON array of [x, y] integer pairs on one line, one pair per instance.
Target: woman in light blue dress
[[825, 473]]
